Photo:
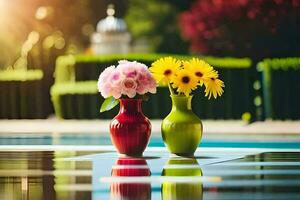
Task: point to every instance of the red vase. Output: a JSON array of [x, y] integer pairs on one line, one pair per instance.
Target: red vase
[[130, 130], [130, 167]]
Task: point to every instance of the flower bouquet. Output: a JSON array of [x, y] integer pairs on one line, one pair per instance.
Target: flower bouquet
[[127, 83], [182, 129]]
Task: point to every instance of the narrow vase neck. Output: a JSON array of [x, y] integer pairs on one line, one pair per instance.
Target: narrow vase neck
[[130, 105], [182, 103]]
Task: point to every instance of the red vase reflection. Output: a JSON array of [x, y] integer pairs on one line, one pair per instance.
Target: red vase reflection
[[130, 130], [130, 167]]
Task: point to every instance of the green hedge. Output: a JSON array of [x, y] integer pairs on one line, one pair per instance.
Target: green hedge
[[281, 87], [21, 75], [89, 67], [281, 63], [76, 100], [72, 70], [84, 67], [64, 69], [20, 94], [81, 100], [216, 61]]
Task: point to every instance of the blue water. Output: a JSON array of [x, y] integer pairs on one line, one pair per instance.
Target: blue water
[[87, 139]]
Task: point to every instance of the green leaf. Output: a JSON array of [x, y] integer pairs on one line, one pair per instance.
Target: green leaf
[[109, 104]]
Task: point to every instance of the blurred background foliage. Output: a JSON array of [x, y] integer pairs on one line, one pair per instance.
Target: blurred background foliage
[[65, 25], [241, 28], [157, 21], [255, 28], [34, 33]]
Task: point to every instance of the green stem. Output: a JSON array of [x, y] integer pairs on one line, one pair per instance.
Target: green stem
[[171, 90]]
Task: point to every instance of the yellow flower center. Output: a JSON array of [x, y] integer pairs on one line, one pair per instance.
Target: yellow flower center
[[167, 72], [185, 79], [199, 74]]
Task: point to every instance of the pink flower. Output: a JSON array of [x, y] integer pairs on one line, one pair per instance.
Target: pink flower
[[103, 83], [129, 86], [115, 76], [106, 74], [128, 78], [146, 82], [116, 92], [152, 86], [105, 89], [115, 82], [129, 69]]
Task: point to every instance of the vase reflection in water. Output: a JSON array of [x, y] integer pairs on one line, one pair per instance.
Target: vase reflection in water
[[185, 168], [130, 167]]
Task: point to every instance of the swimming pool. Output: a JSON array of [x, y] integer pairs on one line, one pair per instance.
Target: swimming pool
[[86, 166], [212, 174], [155, 141]]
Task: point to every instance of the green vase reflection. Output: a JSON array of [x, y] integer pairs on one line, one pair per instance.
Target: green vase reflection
[[182, 190], [182, 128]]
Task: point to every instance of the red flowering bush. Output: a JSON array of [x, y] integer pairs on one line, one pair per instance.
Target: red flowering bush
[[256, 28]]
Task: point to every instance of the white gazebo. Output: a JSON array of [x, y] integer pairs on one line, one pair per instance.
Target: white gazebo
[[112, 36]]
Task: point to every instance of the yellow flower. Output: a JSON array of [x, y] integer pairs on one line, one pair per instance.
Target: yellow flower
[[164, 69], [214, 87], [202, 70], [184, 81]]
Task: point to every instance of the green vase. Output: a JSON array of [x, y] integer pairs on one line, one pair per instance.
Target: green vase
[[182, 128]]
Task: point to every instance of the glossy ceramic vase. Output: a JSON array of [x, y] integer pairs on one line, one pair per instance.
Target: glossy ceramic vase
[[132, 168], [176, 189], [182, 128], [130, 130]]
